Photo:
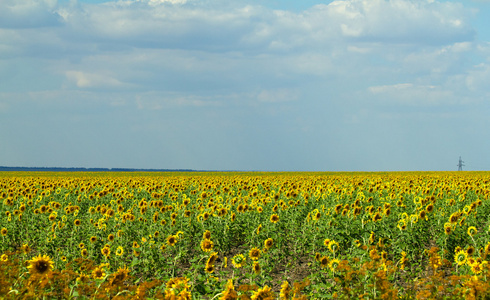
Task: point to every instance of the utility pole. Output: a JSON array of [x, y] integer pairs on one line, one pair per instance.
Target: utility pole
[[460, 164]]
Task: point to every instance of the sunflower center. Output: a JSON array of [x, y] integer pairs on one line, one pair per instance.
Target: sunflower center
[[42, 266]]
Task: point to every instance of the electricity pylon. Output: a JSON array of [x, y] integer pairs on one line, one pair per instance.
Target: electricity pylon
[[460, 164]]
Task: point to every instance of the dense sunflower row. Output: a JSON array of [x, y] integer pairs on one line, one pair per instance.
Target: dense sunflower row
[[289, 235]]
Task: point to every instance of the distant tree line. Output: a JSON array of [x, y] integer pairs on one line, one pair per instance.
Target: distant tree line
[[48, 169]]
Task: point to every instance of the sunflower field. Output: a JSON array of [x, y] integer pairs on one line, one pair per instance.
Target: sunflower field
[[204, 235]]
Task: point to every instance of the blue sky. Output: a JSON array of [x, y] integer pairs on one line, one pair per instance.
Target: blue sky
[[346, 85]]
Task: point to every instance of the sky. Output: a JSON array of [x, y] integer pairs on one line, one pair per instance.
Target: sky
[[258, 85]]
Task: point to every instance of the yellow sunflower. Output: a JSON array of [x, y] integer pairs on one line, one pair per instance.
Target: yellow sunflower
[[98, 273], [209, 268], [333, 246], [256, 268], [206, 235], [334, 263], [274, 218], [268, 243], [238, 261], [40, 265], [460, 257], [472, 231], [254, 253], [172, 240], [263, 293], [324, 261], [207, 245], [285, 292]]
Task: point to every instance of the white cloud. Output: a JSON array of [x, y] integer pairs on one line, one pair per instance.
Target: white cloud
[[278, 95], [92, 80], [413, 95], [28, 13]]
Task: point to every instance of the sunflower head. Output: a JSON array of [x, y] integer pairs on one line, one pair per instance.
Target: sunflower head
[[256, 268], [460, 257], [98, 273], [333, 246], [207, 245], [238, 260], [268, 243], [254, 253], [207, 235], [334, 263], [172, 240], [324, 261], [274, 218], [472, 231], [209, 268], [40, 265]]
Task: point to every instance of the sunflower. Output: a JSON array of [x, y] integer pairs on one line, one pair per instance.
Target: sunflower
[[324, 261], [121, 275], [98, 273], [229, 293], [414, 218], [77, 222], [326, 242], [4, 257], [285, 292], [472, 231], [460, 257], [429, 208], [209, 268], [84, 252], [402, 225], [25, 248], [256, 268], [106, 251], [110, 237], [333, 246], [93, 239], [259, 228], [119, 251], [470, 250], [263, 293], [453, 218], [377, 217], [334, 263], [254, 253], [172, 240], [212, 258], [476, 268], [274, 218], [40, 264], [318, 256], [206, 235], [268, 243], [4, 231], [371, 238], [238, 261], [83, 278], [448, 228], [207, 245]]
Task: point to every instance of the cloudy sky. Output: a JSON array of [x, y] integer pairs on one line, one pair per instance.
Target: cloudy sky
[[272, 85]]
